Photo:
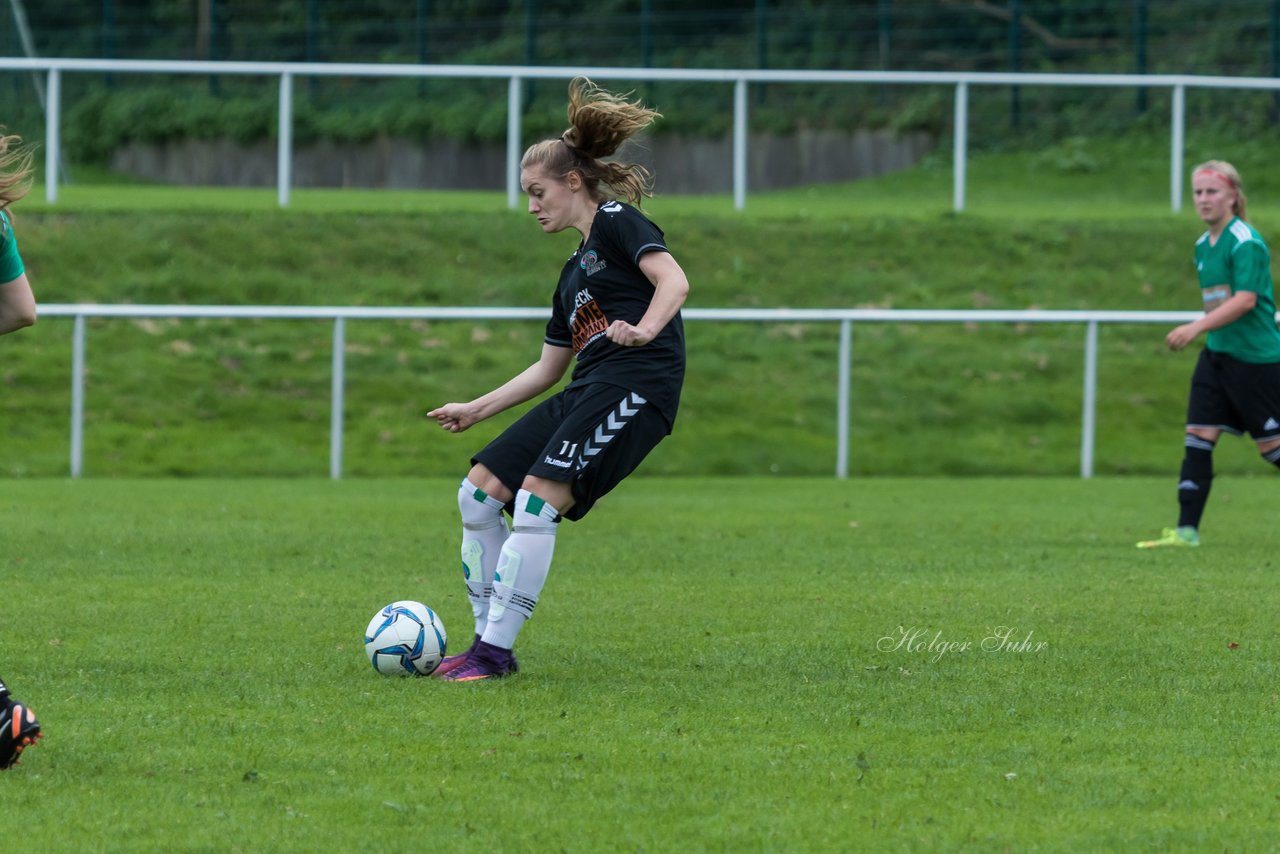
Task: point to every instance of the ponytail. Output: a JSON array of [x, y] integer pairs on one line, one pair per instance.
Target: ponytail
[[599, 123]]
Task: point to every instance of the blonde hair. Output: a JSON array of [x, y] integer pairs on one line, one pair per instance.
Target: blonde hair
[[15, 169], [599, 123], [1228, 172]]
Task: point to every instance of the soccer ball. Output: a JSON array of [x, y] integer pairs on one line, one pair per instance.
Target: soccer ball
[[406, 638]]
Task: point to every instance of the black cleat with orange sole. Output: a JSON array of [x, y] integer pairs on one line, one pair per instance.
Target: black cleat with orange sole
[[19, 728]]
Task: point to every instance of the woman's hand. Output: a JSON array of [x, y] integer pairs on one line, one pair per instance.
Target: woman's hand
[[1181, 336], [454, 417], [623, 333]]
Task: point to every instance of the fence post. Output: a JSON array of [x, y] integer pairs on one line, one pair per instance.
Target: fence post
[[284, 151], [844, 382], [1177, 146], [740, 144], [77, 396], [1090, 407], [52, 140], [1015, 61], [1274, 30], [337, 397], [961, 144], [513, 142], [1140, 48]]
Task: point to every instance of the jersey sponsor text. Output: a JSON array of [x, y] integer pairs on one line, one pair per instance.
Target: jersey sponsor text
[[588, 323]]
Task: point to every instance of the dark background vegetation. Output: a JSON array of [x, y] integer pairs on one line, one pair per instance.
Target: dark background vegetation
[[1184, 36], [1234, 37]]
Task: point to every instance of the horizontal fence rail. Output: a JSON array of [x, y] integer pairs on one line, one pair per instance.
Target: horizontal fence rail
[[286, 72], [846, 318]]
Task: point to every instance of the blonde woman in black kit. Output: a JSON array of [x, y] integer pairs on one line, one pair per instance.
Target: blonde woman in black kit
[[616, 311]]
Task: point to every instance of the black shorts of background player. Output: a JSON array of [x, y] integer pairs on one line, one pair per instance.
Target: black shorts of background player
[[616, 313]]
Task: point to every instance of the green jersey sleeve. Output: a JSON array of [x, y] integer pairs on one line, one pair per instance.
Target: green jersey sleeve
[[10, 261], [1250, 267]]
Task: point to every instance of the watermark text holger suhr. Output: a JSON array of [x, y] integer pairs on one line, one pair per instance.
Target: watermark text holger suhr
[[922, 641]]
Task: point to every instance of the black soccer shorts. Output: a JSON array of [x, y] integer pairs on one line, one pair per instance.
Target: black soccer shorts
[[1239, 397], [590, 436]]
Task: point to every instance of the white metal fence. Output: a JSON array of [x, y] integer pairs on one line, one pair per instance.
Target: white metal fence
[[846, 318], [286, 72]]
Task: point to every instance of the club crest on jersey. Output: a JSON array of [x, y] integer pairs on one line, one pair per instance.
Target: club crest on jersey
[[592, 263]]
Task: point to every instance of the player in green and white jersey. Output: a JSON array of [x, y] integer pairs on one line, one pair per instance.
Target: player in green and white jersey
[[17, 304], [1236, 383], [19, 728]]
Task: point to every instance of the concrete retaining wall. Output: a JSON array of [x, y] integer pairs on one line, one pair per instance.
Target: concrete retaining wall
[[680, 165]]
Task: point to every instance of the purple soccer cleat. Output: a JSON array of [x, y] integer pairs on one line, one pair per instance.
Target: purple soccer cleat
[[483, 661], [452, 662]]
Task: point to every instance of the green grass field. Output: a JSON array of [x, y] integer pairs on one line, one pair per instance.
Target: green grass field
[[771, 661], [716, 664]]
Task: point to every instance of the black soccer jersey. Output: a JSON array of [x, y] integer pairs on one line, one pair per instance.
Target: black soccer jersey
[[601, 283]]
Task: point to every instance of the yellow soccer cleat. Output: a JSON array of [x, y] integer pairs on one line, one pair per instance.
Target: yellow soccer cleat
[[1177, 537]]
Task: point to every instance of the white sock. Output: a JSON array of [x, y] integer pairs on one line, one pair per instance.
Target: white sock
[[483, 533], [522, 569]]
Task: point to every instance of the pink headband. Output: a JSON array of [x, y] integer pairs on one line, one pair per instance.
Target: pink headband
[[1210, 173]]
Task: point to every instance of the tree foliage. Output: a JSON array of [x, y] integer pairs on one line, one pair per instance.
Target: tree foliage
[[1178, 36]]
